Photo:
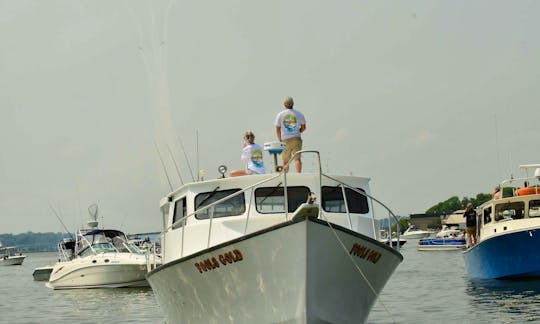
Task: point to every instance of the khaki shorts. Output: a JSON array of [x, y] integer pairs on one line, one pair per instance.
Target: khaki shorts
[[293, 145], [471, 230]]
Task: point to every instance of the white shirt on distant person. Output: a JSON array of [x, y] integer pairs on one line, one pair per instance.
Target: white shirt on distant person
[[253, 155], [290, 120]]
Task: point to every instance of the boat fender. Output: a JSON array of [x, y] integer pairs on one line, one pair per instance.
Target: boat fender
[[528, 191]]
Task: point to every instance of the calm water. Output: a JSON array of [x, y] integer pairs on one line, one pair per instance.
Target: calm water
[[428, 287], [23, 300], [433, 287]]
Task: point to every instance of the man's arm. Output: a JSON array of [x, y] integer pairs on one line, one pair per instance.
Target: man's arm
[[278, 133], [302, 128]]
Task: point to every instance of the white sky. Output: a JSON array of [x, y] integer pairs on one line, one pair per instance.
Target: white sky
[[428, 98]]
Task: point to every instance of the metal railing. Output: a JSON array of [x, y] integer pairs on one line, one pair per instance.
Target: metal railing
[[182, 221]]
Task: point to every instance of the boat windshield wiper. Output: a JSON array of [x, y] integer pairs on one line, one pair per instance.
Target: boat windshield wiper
[[206, 199], [270, 193]]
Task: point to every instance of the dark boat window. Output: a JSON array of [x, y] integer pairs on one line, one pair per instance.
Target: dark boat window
[[487, 215], [180, 211], [332, 200], [231, 207], [272, 200], [511, 210], [534, 208]]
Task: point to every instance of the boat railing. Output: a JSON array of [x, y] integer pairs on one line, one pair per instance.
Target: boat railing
[[391, 216], [283, 174], [343, 185]]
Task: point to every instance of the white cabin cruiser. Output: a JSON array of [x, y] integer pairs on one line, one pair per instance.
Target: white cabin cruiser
[[8, 256], [287, 248], [98, 258], [413, 233], [449, 231]]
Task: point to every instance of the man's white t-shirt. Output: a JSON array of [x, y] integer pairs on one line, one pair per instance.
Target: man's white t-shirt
[[253, 155], [290, 120]]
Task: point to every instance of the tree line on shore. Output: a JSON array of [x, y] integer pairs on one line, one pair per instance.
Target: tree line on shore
[[449, 206], [33, 242], [452, 204]]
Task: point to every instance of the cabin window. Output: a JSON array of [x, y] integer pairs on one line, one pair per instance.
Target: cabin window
[[511, 210], [231, 207], [332, 200], [534, 208], [487, 215], [180, 211], [270, 200]]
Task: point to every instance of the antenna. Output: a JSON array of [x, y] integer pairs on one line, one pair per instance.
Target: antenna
[[60, 220], [93, 211], [163, 165], [186, 157], [497, 146], [198, 168], [175, 165]]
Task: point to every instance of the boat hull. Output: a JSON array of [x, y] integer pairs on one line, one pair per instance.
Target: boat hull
[[415, 235], [42, 273], [508, 256], [13, 260], [440, 244], [83, 273], [294, 272]]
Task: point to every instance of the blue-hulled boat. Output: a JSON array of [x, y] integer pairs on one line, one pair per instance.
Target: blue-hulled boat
[[442, 244], [509, 234]]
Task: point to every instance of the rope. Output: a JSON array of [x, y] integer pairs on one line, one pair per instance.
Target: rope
[[377, 296]]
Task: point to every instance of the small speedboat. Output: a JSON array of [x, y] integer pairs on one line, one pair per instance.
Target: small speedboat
[[442, 244], [42, 273], [98, 258], [8, 256], [449, 232], [415, 233], [394, 241]]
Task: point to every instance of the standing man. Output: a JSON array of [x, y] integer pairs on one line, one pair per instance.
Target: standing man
[[290, 124], [470, 216]]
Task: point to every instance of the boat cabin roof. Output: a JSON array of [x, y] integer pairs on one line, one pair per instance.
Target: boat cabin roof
[[293, 179]]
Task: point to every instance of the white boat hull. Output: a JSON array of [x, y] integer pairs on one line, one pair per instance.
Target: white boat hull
[[294, 272], [415, 235], [13, 260], [117, 272]]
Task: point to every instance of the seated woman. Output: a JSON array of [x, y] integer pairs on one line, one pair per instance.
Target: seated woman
[[252, 154]]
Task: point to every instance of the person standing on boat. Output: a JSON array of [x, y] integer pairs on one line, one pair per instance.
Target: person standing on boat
[[290, 124], [497, 193], [470, 216], [252, 154]]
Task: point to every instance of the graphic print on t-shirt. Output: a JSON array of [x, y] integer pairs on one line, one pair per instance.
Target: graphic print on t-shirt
[[289, 122], [257, 157]]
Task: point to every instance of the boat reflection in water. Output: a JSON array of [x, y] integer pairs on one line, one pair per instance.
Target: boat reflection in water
[[519, 300]]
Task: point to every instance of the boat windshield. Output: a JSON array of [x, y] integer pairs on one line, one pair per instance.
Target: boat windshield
[[124, 246], [106, 241], [103, 247]]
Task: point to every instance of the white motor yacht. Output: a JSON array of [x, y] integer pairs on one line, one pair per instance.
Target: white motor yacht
[[9, 256], [449, 231], [98, 258], [415, 233], [271, 248]]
